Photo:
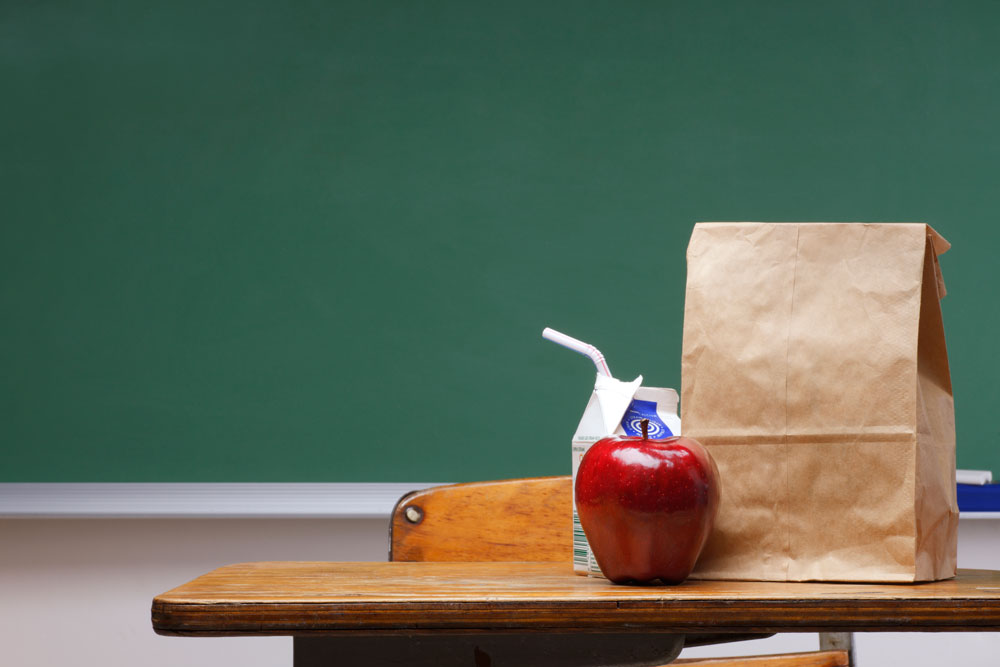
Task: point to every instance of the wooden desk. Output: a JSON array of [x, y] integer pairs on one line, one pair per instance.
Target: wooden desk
[[394, 613]]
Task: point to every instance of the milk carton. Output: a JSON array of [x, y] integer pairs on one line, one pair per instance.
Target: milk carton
[[617, 408]]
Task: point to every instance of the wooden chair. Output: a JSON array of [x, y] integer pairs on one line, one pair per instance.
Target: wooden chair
[[529, 520]]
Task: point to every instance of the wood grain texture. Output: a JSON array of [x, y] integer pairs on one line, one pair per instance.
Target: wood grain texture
[[512, 520], [811, 659], [290, 598]]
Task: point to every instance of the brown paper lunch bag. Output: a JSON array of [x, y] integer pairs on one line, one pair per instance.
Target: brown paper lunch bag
[[815, 371]]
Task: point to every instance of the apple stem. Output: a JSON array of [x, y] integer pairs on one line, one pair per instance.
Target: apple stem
[[645, 429]]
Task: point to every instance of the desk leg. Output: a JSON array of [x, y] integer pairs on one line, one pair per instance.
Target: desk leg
[[489, 650]]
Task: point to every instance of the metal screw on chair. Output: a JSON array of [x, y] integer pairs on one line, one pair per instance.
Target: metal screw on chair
[[413, 514]]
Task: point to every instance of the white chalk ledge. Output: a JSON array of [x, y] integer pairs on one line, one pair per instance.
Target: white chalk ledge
[[217, 501], [201, 500]]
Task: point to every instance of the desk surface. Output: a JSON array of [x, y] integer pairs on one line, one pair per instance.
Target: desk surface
[[305, 598]]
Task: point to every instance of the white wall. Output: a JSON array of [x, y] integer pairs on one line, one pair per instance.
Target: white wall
[[79, 591]]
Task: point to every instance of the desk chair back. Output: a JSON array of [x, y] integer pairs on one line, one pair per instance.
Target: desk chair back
[[512, 520]]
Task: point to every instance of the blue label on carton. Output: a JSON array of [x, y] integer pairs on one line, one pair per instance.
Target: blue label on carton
[[639, 410]]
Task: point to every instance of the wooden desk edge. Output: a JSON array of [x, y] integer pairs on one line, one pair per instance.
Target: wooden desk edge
[[174, 615], [793, 616]]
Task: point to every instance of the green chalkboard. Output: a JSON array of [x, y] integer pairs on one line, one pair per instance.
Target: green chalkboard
[[318, 241]]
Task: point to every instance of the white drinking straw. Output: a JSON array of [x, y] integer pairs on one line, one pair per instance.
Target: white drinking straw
[[578, 346]]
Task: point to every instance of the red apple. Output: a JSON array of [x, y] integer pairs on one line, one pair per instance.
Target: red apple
[[647, 506]]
